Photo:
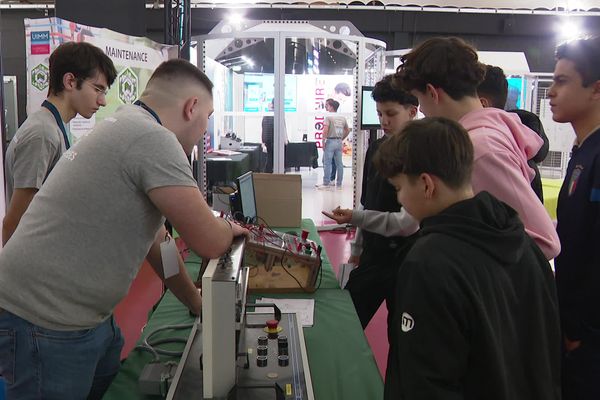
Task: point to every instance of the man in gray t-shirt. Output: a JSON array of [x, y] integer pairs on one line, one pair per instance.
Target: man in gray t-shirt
[[335, 130], [79, 76], [87, 231]]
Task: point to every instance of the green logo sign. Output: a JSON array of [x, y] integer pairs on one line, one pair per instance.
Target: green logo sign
[[128, 86], [39, 77]]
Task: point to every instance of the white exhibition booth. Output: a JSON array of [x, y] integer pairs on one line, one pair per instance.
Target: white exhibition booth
[[298, 64]]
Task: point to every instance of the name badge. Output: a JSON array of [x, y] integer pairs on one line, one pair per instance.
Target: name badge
[[169, 256]]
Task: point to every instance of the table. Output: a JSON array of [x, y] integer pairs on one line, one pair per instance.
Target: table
[[255, 153], [301, 154], [340, 359], [225, 169]]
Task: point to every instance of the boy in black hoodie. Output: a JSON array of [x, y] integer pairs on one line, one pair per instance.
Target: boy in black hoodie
[[476, 314]]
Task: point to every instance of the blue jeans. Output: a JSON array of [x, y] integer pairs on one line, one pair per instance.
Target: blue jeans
[[332, 172], [332, 153], [39, 363]]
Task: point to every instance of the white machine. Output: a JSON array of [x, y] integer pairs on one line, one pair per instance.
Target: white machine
[[232, 354], [230, 142]]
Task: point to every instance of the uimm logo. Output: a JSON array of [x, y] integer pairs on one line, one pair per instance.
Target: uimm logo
[[40, 42]]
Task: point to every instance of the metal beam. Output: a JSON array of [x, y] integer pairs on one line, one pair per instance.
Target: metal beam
[[463, 10]]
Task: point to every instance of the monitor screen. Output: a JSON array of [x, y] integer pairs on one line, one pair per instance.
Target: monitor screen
[[259, 91], [368, 110], [245, 185]]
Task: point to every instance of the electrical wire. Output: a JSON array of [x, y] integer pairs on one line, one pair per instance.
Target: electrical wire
[[253, 229], [151, 346], [268, 235]]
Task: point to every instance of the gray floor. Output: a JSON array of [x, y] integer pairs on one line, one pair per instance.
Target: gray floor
[[315, 200]]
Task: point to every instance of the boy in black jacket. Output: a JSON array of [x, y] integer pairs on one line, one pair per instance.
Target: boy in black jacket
[[476, 313]]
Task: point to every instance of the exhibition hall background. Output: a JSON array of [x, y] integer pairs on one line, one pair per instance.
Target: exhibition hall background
[[535, 35]]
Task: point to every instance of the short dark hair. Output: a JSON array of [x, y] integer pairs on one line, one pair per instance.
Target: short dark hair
[[494, 86], [178, 68], [388, 90], [584, 53], [447, 63], [343, 88], [436, 146], [333, 103], [81, 59]]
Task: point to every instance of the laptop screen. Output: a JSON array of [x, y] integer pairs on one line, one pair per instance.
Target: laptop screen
[[246, 194]]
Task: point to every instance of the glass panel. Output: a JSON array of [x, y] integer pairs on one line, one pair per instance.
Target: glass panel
[[318, 69], [242, 72], [374, 65]]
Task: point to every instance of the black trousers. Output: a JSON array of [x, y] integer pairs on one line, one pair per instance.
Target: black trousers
[[581, 370], [374, 280], [269, 166]]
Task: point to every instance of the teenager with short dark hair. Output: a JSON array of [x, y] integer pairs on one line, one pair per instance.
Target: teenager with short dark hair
[[443, 73], [475, 314], [381, 221], [575, 98], [80, 75], [493, 89]]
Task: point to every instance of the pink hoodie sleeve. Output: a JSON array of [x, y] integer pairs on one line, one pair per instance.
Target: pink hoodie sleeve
[[527, 140], [500, 174]]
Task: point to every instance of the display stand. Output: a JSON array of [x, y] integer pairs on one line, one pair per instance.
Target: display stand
[[286, 70]]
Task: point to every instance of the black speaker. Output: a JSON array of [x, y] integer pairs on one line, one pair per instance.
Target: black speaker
[[128, 17]]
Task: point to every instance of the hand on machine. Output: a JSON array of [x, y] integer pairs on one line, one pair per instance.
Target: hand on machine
[[279, 261], [238, 229]]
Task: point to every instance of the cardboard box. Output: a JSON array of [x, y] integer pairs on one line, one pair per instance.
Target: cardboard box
[[279, 199]]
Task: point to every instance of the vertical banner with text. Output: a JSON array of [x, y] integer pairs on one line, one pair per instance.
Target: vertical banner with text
[[323, 87]]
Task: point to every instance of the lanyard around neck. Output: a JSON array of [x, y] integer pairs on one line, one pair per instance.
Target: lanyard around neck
[[59, 121], [151, 111]]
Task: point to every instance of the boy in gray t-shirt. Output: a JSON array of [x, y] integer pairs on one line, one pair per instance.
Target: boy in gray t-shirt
[[80, 244], [80, 75]]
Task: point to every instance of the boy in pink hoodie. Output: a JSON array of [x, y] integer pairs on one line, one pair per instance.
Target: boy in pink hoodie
[[443, 73]]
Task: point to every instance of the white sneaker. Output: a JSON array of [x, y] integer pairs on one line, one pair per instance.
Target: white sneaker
[[322, 186]]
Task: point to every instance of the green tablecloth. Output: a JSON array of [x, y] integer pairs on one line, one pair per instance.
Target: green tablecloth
[[341, 362]]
